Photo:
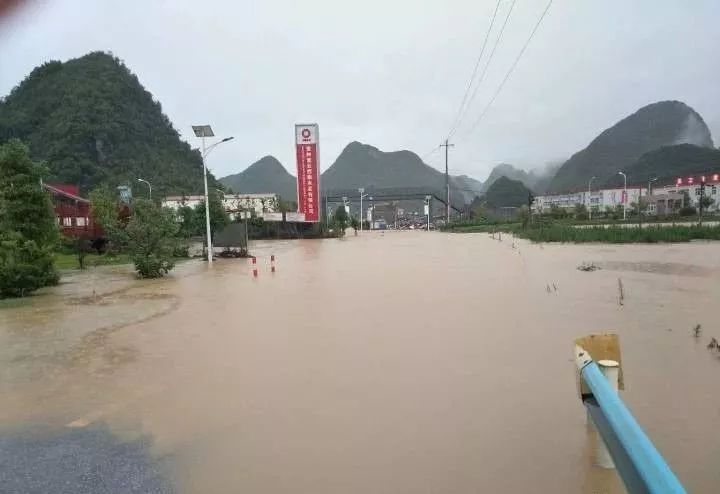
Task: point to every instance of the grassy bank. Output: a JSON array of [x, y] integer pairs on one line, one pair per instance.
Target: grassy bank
[[620, 235], [605, 234], [70, 261]]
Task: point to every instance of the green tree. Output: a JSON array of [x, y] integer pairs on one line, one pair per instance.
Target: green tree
[[151, 238], [706, 202], [581, 212], [24, 206], [24, 267], [557, 212], [523, 214], [107, 214], [28, 232], [188, 222], [340, 220], [618, 212], [219, 218], [354, 224]]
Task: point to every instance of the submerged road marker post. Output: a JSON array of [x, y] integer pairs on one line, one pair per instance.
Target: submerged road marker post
[[639, 464], [611, 370], [272, 263], [254, 267]]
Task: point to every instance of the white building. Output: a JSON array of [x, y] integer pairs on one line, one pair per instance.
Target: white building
[[597, 200], [233, 203], [691, 186], [259, 203], [601, 199]]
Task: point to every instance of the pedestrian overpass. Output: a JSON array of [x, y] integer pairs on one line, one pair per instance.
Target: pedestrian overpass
[[388, 194]]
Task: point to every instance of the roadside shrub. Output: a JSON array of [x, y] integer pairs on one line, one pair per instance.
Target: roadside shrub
[[151, 239], [152, 265]]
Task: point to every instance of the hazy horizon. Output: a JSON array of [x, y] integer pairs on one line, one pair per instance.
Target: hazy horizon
[[253, 71]]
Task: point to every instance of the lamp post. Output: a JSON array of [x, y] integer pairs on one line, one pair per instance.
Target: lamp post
[[650, 186], [649, 192], [427, 211], [204, 131], [361, 190], [149, 186], [624, 196], [702, 200], [590, 205], [371, 210]]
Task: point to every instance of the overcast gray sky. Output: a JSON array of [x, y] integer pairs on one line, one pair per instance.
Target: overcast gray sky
[[390, 73]]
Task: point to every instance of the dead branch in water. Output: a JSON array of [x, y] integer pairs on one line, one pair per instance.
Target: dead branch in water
[[713, 345], [588, 267], [697, 330]]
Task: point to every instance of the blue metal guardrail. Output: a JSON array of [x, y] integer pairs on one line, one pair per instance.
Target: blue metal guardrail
[[640, 465]]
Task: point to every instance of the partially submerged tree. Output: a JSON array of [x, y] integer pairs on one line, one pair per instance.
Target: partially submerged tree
[[340, 220], [195, 224], [354, 224], [151, 239]]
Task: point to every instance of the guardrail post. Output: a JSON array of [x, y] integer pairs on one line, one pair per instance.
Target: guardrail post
[[611, 370], [621, 441]]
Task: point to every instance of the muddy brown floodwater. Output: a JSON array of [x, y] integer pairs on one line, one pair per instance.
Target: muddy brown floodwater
[[403, 362]]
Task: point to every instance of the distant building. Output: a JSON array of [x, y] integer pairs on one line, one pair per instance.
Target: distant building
[[72, 212], [233, 203], [665, 204], [666, 198], [176, 202], [691, 186]]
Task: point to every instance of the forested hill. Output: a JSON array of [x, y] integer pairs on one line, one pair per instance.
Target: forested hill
[[362, 165], [265, 175], [665, 123], [505, 192], [93, 122], [670, 162]]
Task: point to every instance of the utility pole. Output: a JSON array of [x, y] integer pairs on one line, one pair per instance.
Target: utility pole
[[625, 197], [531, 199], [702, 197], [447, 182]]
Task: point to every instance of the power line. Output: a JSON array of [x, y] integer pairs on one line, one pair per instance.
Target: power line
[[461, 109], [487, 65], [429, 153], [512, 68]]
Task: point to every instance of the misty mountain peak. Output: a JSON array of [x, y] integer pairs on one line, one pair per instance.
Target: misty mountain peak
[[651, 127]]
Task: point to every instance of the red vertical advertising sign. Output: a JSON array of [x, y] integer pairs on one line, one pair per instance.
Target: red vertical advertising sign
[[308, 171]]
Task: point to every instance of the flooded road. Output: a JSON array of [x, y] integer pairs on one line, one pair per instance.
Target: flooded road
[[403, 362]]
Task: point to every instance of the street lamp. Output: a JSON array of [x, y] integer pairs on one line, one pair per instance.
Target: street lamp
[[361, 190], [650, 186], [427, 210], [625, 198], [204, 131], [148, 184], [589, 202], [371, 210]]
